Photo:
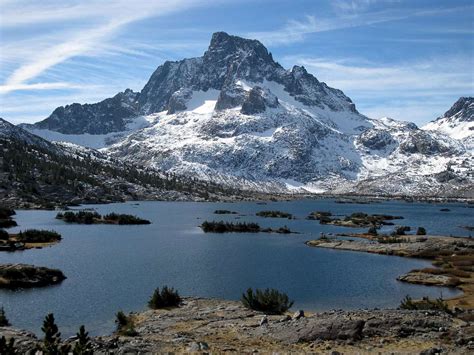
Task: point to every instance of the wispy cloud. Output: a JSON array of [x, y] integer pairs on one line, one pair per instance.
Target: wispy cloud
[[39, 86], [355, 6], [297, 30], [104, 19]]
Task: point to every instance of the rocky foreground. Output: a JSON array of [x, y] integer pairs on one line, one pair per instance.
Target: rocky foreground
[[209, 325]]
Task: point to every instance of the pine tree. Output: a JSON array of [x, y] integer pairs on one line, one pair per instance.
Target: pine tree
[[83, 345], [52, 338], [3, 318]]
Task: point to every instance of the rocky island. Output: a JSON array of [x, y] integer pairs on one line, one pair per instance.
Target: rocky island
[[14, 276], [87, 217], [356, 219], [28, 239], [242, 227]]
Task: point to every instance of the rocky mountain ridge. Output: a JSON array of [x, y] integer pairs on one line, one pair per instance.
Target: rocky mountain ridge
[[35, 173], [236, 117]]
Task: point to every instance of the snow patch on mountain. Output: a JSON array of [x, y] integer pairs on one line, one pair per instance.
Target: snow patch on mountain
[[95, 141]]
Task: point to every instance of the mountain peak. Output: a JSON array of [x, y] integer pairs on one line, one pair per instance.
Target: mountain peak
[[462, 110], [222, 42]]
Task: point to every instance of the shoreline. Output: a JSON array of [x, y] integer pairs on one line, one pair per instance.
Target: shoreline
[[449, 256], [220, 326], [255, 197]]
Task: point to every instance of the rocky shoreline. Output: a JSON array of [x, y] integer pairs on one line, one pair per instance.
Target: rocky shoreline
[[452, 257], [211, 325]]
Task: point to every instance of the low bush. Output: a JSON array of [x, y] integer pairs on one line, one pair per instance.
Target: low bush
[[283, 230], [269, 301], [391, 240], [168, 297], [125, 324], [424, 304], [372, 231], [421, 231], [400, 230]]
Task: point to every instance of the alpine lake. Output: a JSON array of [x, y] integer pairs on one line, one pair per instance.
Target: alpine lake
[[117, 267]]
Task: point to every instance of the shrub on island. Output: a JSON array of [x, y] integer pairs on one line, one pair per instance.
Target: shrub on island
[[274, 214], [167, 298], [269, 301], [224, 212], [38, 236], [320, 215], [372, 231], [87, 217], [81, 217], [125, 219], [391, 240], [125, 325], [222, 227], [421, 231]]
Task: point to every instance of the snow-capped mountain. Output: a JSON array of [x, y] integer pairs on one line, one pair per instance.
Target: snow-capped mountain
[[237, 117], [38, 173], [457, 122]]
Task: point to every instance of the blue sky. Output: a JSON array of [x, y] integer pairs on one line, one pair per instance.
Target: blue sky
[[409, 60]]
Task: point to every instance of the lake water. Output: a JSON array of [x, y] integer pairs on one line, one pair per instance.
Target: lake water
[[111, 268]]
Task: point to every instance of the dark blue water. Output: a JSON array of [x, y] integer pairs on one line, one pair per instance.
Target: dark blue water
[[111, 268]]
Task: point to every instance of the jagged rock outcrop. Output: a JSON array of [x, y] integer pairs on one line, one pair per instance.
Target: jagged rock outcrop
[[109, 115]]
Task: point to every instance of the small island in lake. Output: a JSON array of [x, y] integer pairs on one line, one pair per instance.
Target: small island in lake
[[274, 214], [28, 239], [224, 212], [356, 220], [243, 227], [13, 276], [87, 217]]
